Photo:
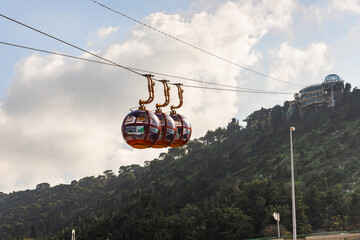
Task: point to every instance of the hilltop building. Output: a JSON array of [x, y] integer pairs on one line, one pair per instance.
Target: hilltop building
[[308, 99], [313, 97]]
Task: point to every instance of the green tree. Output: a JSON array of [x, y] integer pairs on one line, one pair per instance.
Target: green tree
[[354, 213], [237, 224]]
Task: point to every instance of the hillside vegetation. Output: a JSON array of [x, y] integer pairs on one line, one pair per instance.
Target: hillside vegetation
[[224, 185]]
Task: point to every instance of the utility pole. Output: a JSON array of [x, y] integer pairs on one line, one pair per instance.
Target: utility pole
[[293, 184], [332, 96]]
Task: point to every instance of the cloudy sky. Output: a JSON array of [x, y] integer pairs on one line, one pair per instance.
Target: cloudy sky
[[60, 119]]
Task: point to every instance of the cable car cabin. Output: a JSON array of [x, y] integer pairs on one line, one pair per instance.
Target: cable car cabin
[[141, 129], [168, 130], [183, 130]]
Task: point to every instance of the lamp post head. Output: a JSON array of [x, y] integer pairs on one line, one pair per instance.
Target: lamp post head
[[276, 216], [292, 129]]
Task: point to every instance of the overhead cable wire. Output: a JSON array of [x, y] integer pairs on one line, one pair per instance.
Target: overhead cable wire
[[239, 89], [56, 53], [233, 90], [244, 90], [194, 46], [67, 43]]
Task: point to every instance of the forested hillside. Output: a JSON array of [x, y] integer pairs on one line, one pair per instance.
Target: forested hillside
[[224, 185]]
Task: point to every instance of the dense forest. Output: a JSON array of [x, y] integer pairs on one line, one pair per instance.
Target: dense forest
[[224, 185]]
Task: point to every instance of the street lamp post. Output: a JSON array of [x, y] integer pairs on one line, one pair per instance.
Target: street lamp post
[[292, 184], [276, 216]]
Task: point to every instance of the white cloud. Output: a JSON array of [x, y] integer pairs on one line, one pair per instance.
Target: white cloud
[[301, 66], [298, 66], [104, 32], [61, 119], [101, 35], [346, 5]]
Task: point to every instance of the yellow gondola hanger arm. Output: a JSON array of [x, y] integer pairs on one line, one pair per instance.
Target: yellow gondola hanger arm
[[151, 85], [180, 93], [166, 94]]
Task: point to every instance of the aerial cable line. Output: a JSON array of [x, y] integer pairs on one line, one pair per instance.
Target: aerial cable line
[[233, 90], [72, 45], [193, 46], [147, 71], [56, 53], [229, 90]]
